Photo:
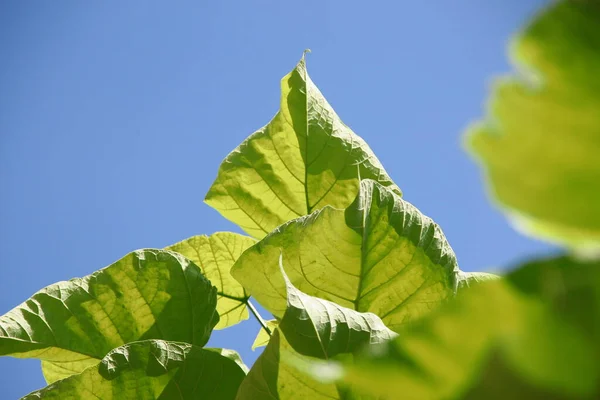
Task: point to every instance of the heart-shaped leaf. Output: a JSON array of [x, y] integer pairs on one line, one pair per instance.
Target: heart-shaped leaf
[[310, 329], [215, 255], [533, 335], [379, 255], [147, 294], [302, 160], [153, 369]]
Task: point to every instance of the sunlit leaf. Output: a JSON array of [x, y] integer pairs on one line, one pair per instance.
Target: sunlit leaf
[[152, 369], [532, 335], [147, 294], [380, 255], [272, 378], [233, 356], [539, 144], [215, 255], [311, 328], [302, 160], [263, 337]]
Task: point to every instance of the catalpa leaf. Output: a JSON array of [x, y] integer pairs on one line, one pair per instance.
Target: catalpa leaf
[[272, 378], [233, 356], [147, 294], [467, 279], [152, 369], [532, 335], [310, 329], [263, 337], [215, 255], [539, 144], [380, 255], [304, 159], [323, 329]]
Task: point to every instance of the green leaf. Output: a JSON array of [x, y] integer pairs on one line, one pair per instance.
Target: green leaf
[[304, 159], [532, 335], [323, 329], [152, 369], [310, 329], [233, 356], [215, 255], [263, 337], [539, 144], [379, 255], [272, 378], [569, 286], [147, 294], [468, 279]]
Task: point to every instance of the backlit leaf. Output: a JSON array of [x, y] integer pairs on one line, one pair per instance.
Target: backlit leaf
[[215, 255], [310, 329], [147, 294], [539, 144], [152, 369], [304, 159], [263, 337], [380, 255], [533, 335]]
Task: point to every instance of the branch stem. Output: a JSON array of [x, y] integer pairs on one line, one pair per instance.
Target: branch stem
[[260, 320]]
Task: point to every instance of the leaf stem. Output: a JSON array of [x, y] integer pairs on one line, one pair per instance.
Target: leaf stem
[[260, 320]]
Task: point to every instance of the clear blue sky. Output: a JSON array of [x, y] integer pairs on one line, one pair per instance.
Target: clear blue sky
[[114, 117]]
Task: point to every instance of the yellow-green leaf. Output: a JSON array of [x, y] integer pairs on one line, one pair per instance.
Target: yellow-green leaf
[[540, 142], [304, 159], [311, 329], [380, 255], [153, 369], [215, 255], [263, 337], [148, 294], [533, 335]]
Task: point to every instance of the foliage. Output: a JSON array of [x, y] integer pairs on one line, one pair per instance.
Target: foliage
[[542, 137], [368, 298]]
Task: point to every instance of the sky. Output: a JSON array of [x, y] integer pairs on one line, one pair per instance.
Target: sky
[[114, 118]]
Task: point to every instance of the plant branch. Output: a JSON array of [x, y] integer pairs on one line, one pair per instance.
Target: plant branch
[[260, 320]]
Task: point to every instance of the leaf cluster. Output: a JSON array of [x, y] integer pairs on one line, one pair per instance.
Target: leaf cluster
[[366, 292]]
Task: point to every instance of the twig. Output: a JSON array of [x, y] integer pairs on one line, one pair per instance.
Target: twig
[[260, 320]]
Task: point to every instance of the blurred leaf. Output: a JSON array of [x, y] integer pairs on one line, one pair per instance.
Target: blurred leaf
[[215, 255], [539, 144], [503, 339], [570, 286], [73, 325], [152, 369], [379, 255], [263, 337], [304, 159]]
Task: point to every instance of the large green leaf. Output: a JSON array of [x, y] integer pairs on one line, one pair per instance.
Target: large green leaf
[[323, 329], [311, 328], [379, 255], [272, 378], [152, 369], [215, 255], [304, 159], [532, 335], [540, 143], [569, 286], [145, 295]]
